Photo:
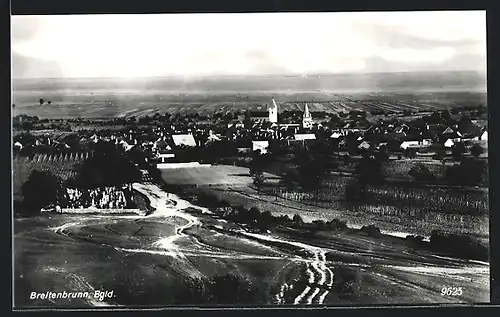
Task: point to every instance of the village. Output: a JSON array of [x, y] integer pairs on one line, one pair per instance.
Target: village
[[168, 139]]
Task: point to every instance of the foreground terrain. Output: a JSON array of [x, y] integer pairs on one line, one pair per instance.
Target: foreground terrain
[[164, 258]]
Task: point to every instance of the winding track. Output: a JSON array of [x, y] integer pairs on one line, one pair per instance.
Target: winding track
[[318, 275]]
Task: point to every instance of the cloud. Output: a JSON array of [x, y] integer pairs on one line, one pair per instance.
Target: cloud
[[29, 67], [211, 44], [390, 37], [24, 28]]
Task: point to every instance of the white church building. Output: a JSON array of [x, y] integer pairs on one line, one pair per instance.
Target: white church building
[[307, 120]]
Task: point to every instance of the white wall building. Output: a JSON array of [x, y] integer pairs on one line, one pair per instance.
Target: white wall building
[[260, 145], [273, 113]]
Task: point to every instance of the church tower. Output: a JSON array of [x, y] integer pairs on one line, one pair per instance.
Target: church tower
[[307, 121], [273, 113]]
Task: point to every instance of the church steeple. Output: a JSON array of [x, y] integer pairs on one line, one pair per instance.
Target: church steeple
[[273, 113], [307, 121], [307, 114]]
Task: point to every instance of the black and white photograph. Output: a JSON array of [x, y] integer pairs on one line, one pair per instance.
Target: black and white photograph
[[314, 159]]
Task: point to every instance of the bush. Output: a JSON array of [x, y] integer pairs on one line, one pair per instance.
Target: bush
[[421, 173], [231, 289], [459, 245], [415, 239], [41, 190], [347, 281], [297, 219], [337, 224], [468, 172], [371, 231]]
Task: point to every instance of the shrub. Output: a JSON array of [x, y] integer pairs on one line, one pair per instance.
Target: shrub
[[231, 289], [337, 224], [421, 172], [347, 281], [371, 231], [42, 189], [415, 239], [459, 245], [297, 219]]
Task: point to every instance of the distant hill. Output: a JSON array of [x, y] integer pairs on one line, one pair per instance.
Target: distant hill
[[371, 82]]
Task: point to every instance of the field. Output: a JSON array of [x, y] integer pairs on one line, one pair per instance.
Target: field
[[393, 207], [393, 93], [62, 165], [208, 175]]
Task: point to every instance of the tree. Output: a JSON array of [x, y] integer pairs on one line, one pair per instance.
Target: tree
[[41, 101], [258, 179], [421, 173], [382, 155], [107, 167], [476, 150], [468, 172], [313, 166], [232, 289], [458, 150], [369, 171], [41, 190], [410, 153], [297, 219], [288, 180]]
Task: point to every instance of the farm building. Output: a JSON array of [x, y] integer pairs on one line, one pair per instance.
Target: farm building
[[415, 144], [364, 145], [409, 144], [161, 145], [236, 123], [260, 145], [484, 136], [165, 157], [449, 143], [184, 139], [305, 136], [335, 135], [212, 138], [18, 145]]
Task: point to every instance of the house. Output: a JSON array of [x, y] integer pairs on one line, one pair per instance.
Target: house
[[212, 138], [409, 144], [18, 145], [161, 145], [336, 135], [125, 145], [381, 145], [449, 143], [484, 136], [260, 145], [184, 140], [165, 157], [236, 123], [415, 143], [94, 138], [364, 146], [305, 136]]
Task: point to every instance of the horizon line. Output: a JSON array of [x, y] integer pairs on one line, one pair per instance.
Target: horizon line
[[255, 75]]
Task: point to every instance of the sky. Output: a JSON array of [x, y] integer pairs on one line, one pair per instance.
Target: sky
[[191, 45]]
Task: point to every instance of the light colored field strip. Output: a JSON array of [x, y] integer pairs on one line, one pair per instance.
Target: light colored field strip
[[322, 297], [313, 295], [304, 293]]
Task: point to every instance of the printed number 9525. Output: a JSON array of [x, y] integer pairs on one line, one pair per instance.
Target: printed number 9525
[[451, 291]]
